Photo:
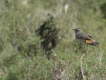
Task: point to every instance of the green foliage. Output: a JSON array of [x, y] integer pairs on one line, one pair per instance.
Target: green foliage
[[21, 54]]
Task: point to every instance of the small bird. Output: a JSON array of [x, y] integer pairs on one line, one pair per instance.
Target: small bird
[[82, 37]]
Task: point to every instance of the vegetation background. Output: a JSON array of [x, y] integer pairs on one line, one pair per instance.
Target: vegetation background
[[20, 18]]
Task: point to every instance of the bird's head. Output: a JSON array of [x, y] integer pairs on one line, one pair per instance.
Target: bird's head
[[77, 30]]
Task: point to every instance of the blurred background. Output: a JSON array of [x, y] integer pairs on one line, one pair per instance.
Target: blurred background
[[21, 54]]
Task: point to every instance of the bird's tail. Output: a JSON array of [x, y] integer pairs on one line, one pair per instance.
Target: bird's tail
[[92, 42]]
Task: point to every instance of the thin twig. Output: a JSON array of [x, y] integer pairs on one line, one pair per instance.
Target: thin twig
[[82, 70]]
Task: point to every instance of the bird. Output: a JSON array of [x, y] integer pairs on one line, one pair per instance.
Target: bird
[[83, 37]]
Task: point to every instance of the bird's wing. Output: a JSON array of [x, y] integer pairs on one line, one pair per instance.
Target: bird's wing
[[83, 35], [89, 36]]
